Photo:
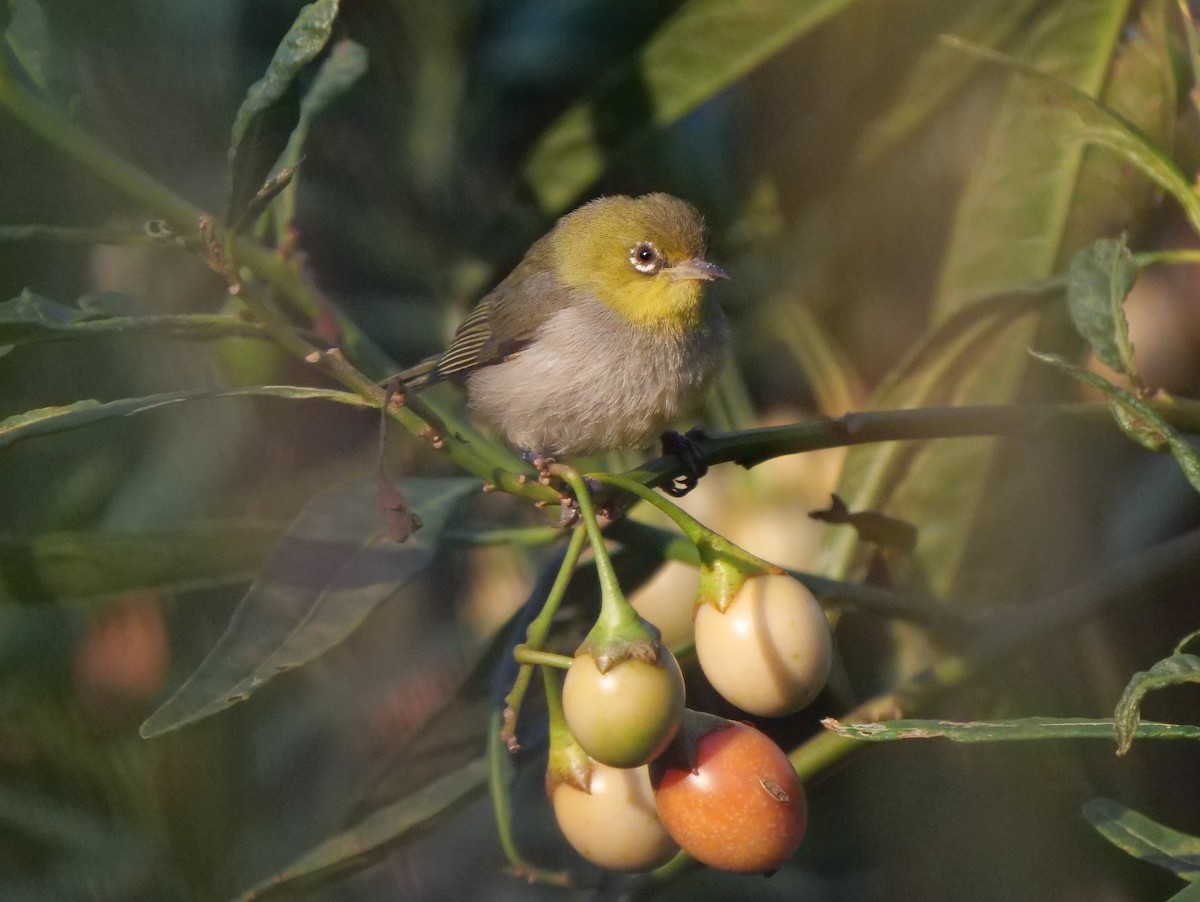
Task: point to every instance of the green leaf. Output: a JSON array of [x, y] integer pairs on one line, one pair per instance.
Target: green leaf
[[1136, 418], [332, 567], [341, 70], [374, 836], [27, 34], [1000, 238], [263, 121], [940, 72], [29, 318], [90, 564], [1099, 279], [1022, 729], [1172, 671], [50, 420], [704, 48], [1144, 839], [1095, 123]]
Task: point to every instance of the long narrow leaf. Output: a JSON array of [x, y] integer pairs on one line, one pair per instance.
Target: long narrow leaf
[[378, 833], [705, 47], [1020, 730], [332, 567], [1145, 839], [259, 130], [51, 420]]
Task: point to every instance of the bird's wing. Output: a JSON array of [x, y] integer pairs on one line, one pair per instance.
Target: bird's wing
[[504, 323]]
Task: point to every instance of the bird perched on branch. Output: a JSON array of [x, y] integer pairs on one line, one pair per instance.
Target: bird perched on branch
[[600, 339]]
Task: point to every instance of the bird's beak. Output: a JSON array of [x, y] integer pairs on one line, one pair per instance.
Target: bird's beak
[[696, 268]]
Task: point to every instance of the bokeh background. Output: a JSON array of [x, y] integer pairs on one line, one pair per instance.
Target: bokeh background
[[861, 183]]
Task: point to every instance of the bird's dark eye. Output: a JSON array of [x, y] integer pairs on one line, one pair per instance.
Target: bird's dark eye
[[645, 258]]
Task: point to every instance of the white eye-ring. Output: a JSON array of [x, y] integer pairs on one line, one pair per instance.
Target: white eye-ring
[[645, 258]]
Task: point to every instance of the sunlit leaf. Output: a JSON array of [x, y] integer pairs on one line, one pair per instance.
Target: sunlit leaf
[[1172, 671], [332, 567], [88, 564], [1144, 839], [263, 121], [1000, 238], [940, 73], [705, 47], [1137, 419], [50, 420], [370, 839], [1099, 279], [1019, 730], [1095, 123], [30, 318]]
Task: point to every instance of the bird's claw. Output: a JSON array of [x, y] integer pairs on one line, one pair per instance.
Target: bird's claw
[[687, 448]]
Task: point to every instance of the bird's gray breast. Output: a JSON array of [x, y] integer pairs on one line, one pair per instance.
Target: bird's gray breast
[[591, 381]]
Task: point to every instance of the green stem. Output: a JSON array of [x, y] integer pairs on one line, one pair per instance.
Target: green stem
[[520, 536], [536, 634], [499, 778], [523, 654], [712, 547]]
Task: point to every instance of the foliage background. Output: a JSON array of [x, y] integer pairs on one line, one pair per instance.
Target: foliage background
[[861, 184]]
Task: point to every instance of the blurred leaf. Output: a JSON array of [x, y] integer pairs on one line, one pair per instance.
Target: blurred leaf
[[1099, 279], [87, 564], [378, 833], [1172, 671], [27, 34], [1018, 730], [1136, 418], [30, 318], [1000, 238], [1190, 893], [341, 70], [332, 567], [1144, 839], [701, 50], [49, 420], [940, 72], [263, 123], [1095, 123]]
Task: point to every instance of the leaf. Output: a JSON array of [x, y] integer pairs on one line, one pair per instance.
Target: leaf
[[29, 318], [703, 48], [89, 564], [1144, 839], [27, 34], [1136, 418], [332, 567], [341, 70], [1095, 123], [1099, 279], [1019, 730], [1000, 238], [1172, 671], [939, 74], [378, 833], [259, 129], [50, 420]]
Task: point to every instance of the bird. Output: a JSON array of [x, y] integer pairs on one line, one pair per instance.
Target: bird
[[601, 338]]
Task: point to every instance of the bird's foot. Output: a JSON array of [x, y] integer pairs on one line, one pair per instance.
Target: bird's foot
[[687, 448]]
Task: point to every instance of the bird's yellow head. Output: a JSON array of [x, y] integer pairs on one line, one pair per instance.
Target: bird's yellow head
[[643, 256]]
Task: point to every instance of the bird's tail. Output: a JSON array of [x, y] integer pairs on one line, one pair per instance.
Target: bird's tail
[[420, 375]]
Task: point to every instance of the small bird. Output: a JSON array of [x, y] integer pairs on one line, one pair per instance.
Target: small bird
[[600, 339]]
